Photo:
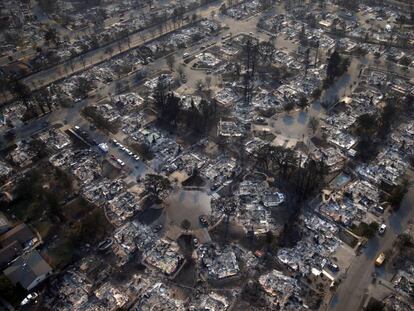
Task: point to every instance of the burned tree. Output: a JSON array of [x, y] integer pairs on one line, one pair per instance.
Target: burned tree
[[251, 56]]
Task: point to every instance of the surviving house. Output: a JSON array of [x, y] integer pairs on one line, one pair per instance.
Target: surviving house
[[28, 270]]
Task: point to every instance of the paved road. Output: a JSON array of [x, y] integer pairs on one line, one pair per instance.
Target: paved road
[[350, 294]]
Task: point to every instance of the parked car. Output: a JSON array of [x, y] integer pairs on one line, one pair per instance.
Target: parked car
[[380, 260], [382, 229], [333, 267], [157, 228], [203, 221], [195, 242], [29, 298]]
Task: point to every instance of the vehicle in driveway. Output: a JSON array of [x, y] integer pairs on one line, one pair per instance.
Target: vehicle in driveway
[[380, 260], [333, 267], [195, 242], [105, 245], [382, 229], [203, 221], [30, 297], [157, 228], [103, 147]]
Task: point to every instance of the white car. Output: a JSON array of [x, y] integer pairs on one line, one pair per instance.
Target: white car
[[29, 298], [120, 162], [382, 229]]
